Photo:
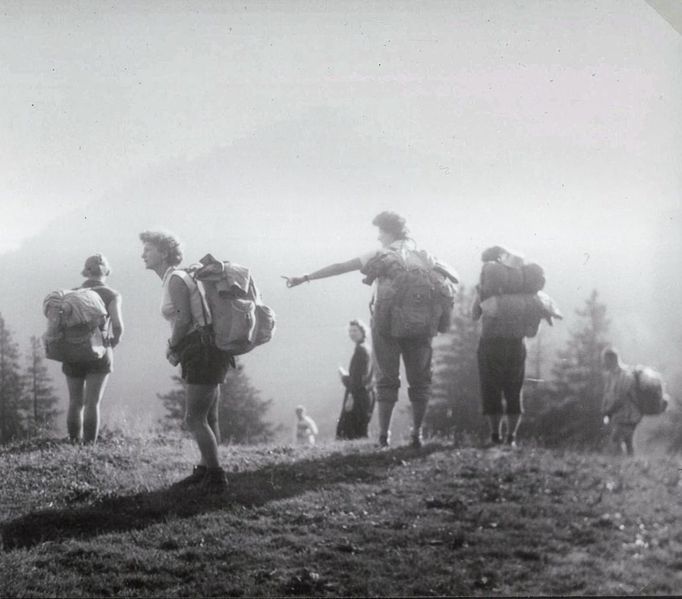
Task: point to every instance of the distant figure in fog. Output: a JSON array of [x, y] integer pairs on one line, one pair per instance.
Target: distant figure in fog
[[358, 400], [305, 429], [203, 366], [619, 405], [86, 380]]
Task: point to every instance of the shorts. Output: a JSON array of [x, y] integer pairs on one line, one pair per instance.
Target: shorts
[[501, 369], [201, 362], [79, 370]]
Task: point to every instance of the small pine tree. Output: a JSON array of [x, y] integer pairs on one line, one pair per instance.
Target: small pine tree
[[455, 406], [11, 387], [174, 403], [242, 411], [40, 397], [572, 406]]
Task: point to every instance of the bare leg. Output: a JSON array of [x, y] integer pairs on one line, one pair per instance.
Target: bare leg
[[200, 400], [94, 389], [513, 422], [494, 424], [74, 416], [212, 417]]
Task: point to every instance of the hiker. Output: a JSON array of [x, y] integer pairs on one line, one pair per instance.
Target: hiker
[[305, 429], [412, 302], [358, 400], [87, 380], [203, 366], [619, 404], [510, 305]]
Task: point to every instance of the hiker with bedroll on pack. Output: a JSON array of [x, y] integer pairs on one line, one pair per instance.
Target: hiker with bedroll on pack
[[204, 367], [412, 301], [84, 327], [510, 304]]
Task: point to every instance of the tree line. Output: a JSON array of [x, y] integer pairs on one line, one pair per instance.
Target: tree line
[[28, 402], [562, 397]]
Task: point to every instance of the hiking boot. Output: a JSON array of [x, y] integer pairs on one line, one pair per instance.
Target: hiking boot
[[511, 442], [197, 476], [383, 442], [416, 442], [215, 481]]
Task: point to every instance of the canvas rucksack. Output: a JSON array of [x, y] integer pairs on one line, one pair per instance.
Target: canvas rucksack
[[651, 399], [75, 325], [232, 305], [413, 298]]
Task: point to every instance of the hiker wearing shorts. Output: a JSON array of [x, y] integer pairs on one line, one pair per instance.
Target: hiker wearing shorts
[[203, 366], [398, 253], [86, 381], [501, 357], [619, 404], [358, 400]]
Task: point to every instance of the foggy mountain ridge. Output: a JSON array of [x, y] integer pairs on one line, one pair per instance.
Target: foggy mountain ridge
[[328, 183]]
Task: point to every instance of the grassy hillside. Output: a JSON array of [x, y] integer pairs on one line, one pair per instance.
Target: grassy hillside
[[342, 519]]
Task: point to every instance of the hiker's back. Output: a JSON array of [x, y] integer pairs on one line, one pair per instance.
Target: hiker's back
[[413, 299]]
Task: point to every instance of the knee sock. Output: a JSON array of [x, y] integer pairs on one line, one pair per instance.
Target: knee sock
[[385, 413]]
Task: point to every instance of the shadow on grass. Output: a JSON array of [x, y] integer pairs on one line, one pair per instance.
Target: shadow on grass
[[255, 488]]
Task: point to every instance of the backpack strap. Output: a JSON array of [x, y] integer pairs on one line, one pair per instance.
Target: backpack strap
[[194, 285]]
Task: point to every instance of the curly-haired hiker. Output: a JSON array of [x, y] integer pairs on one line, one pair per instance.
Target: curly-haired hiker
[[203, 366], [86, 381]]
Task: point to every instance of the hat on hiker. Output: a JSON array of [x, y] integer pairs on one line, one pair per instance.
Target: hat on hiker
[[96, 266]]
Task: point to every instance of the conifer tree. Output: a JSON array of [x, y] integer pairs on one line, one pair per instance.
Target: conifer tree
[[41, 399], [572, 406], [11, 387], [455, 405]]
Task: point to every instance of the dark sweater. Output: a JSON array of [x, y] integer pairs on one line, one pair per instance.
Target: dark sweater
[[360, 373]]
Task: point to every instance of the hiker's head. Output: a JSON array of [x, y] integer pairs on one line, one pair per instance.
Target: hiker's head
[[357, 331], [609, 358], [96, 267], [300, 411], [392, 227], [160, 248]]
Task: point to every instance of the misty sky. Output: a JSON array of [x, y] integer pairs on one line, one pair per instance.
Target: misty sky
[[554, 127]]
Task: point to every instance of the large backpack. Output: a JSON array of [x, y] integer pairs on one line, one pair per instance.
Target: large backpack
[[651, 399], [414, 298], [232, 305], [75, 325]]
